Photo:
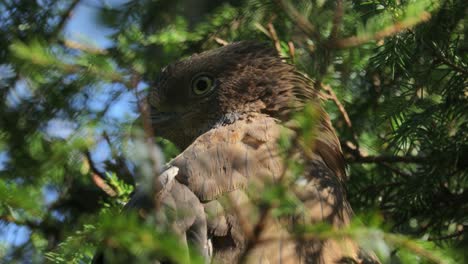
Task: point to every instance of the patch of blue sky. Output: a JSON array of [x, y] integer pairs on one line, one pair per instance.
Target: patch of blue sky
[[49, 194], [18, 93], [84, 27], [124, 107], [4, 158], [60, 128], [6, 72], [14, 235]]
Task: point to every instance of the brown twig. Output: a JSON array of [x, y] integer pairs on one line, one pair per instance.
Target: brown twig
[[441, 56], [144, 109], [98, 177], [244, 224], [386, 32], [337, 19], [332, 96], [302, 22], [274, 37], [221, 41], [119, 162], [292, 51], [253, 237], [83, 47], [262, 29], [356, 156]]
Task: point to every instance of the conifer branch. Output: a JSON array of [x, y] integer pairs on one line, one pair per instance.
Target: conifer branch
[[441, 56]]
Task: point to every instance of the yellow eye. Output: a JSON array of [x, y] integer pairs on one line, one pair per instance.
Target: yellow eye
[[202, 85]]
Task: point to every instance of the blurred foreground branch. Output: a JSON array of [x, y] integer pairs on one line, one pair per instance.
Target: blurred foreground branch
[[98, 177]]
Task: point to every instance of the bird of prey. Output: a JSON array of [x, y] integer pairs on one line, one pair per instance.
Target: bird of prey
[[227, 109]]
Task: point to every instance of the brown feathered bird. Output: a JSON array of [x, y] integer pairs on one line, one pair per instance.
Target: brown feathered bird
[[226, 109]]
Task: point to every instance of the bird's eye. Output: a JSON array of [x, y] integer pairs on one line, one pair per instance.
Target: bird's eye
[[202, 85]]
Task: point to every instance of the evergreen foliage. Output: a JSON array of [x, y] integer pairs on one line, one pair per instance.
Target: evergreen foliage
[[394, 73]]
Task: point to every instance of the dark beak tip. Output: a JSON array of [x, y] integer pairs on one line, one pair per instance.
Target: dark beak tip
[[158, 118]]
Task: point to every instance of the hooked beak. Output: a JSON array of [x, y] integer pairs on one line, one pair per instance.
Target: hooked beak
[[159, 118]]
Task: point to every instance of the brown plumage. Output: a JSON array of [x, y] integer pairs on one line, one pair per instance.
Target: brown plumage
[[226, 109]]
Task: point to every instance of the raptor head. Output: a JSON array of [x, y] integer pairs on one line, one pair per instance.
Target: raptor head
[[219, 86]]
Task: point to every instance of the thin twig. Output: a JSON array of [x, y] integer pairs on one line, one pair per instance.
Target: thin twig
[[254, 236], [441, 56], [274, 37], [271, 33], [143, 107], [332, 96], [98, 177], [246, 227], [83, 47], [292, 51], [221, 41], [154, 156], [262, 29], [119, 162], [301, 22], [337, 19], [386, 32]]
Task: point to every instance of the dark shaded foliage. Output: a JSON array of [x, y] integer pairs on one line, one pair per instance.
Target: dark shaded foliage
[[398, 69]]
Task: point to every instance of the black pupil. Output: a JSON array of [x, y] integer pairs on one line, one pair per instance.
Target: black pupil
[[202, 85]]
